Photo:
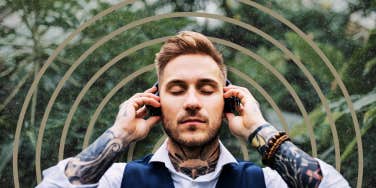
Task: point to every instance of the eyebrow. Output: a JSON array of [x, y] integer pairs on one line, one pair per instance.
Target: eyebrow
[[174, 82], [208, 81]]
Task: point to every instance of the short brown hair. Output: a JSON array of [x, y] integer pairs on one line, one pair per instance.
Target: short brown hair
[[187, 42]]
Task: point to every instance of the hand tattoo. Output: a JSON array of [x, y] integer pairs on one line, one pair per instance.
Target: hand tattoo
[[89, 166]]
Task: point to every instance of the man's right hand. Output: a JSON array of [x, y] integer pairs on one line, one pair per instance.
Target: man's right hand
[[90, 165], [130, 124]]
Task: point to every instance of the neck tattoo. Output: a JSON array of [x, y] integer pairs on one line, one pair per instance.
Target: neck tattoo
[[194, 162]]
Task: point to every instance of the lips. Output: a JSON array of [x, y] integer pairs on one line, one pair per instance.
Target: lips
[[192, 120]]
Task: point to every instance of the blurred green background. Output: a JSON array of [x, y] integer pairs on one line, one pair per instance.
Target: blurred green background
[[30, 31]]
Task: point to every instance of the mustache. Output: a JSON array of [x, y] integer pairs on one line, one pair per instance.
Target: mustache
[[197, 116]]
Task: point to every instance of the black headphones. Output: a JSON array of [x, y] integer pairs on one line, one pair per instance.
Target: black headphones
[[230, 103]]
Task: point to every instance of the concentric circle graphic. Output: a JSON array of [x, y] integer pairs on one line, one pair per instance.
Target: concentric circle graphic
[[150, 67]]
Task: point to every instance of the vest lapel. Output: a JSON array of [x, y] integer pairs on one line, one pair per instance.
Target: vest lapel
[[244, 174], [142, 174]]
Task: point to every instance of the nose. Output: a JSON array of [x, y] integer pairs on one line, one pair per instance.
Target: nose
[[192, 103]]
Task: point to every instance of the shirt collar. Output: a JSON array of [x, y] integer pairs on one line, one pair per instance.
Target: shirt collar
[[225, 157]]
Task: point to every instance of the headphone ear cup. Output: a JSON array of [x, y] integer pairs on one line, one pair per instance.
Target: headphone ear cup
[[156, 84], [152, 111], [231, 103]]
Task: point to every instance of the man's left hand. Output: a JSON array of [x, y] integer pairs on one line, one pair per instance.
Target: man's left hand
[[250, 116]]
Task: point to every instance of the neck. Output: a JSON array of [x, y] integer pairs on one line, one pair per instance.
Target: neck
[[194, 161]]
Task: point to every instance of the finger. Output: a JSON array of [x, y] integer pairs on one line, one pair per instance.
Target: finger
[[126, 109], [231, 87], [151, 90], [230, 116], [141, 101], [240, 109], [245, 90], [141, 112], [240, 94], [151, 95], [151, 121], [234, 93]]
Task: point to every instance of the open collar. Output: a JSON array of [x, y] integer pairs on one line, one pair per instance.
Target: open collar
[[225, 157]]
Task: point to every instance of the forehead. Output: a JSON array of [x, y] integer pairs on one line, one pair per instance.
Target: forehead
[[190, 68]]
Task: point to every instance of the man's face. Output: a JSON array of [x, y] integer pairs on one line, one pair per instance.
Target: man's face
[[191, 91]]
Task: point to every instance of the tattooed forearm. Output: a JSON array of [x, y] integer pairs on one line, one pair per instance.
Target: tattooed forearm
[[89, 166], [297, 168]]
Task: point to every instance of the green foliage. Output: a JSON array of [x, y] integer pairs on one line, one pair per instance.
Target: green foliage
[[361, 66], [31, 30]]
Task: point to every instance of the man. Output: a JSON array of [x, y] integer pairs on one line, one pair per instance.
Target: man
[[192, 93]]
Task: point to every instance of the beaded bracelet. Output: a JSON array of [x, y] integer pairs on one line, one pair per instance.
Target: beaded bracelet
[[273, 145]]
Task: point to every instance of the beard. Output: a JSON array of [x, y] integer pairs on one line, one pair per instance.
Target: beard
[[210, 134]]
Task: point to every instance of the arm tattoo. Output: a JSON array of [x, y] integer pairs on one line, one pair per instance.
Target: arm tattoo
[[297, 168], [89, 166]]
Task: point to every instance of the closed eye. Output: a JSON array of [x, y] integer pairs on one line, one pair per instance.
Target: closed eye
[[206, 92], [207, 89], [176, 90]]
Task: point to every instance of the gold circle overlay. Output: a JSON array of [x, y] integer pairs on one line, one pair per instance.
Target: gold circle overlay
[[145, 20], [97, 112], [91, 82], [160, 141], [39, 76], [334, 73], [155, 41], [148, 19], [236, 22], [149, 67], [139, 72]]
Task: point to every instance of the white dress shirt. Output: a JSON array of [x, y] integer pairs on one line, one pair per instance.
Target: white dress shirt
[[55, 177]]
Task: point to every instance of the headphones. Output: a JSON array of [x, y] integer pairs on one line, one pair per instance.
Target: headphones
[[230, 103]]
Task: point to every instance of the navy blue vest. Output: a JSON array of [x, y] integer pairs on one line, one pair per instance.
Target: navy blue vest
[[141, 174]]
